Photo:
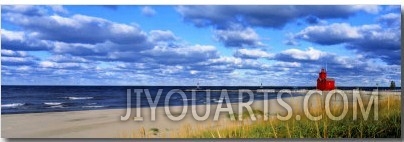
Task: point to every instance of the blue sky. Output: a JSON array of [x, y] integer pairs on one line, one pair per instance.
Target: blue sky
[[213, 45]]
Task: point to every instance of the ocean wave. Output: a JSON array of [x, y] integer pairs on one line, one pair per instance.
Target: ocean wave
[[218, 101], [52, 103], [57, 106], [13, 105], [79, 98], [189, 99]]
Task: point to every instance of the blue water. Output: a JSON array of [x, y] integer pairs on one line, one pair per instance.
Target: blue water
[[36, 99]]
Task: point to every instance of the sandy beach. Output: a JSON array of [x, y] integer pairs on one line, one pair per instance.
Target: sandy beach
[[107, 123]]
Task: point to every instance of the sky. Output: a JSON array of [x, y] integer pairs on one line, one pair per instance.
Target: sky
[[276, 45]]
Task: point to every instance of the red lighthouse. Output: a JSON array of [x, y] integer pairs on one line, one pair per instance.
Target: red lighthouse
[[324, 83]]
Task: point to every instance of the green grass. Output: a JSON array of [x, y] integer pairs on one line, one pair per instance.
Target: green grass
[[388, 125], [246, 114], [154, 131]]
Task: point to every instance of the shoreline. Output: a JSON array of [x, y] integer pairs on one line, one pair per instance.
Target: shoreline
[[106, 123], [299, 91]]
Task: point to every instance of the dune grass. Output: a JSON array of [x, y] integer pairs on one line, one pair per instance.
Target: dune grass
[[388, 125]]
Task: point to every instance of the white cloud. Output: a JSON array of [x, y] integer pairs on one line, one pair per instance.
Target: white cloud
[[59, 9], [180, 55], [309, 54], [329, 34], [24, 68], [372, 40], [346, 62], [25, 9], [374, 9], [223, 59], [193, 72], [5, 52], [67, 58], [148, 11], [390, 16], [17, 61], [161, 35], [172, 69], [66, 65], [252, 53], [70, 22], [17, 58], [287, 64], [47, 64], [12, 35], [183, 50], [13, 59], [225, 63], [104, 51], [238, 36], [390, 19], [78, 29]]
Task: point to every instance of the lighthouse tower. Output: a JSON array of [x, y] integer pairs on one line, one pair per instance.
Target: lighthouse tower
[[324, 83]]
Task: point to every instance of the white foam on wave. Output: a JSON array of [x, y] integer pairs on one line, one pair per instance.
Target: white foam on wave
[[188, 99], [13, 105], [57, 106], [79, 98], [52, 103], [218, 101]]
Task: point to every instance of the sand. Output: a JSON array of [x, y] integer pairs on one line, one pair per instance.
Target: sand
[[107, 123]]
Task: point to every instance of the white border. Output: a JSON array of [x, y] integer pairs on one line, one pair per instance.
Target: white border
[[194, 2]]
